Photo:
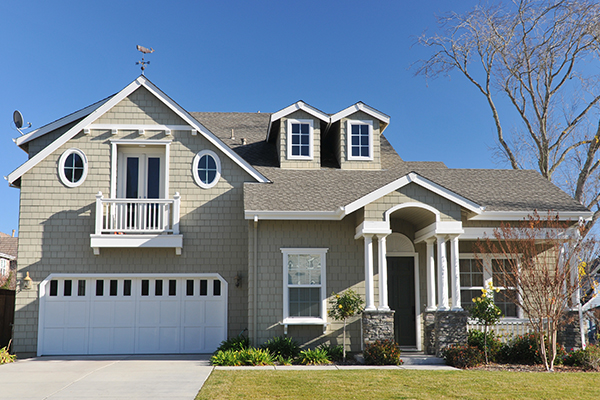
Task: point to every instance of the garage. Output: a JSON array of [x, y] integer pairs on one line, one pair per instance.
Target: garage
[[105, 314]]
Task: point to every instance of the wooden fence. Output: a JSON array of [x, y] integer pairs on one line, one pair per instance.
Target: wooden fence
[[7, 315]]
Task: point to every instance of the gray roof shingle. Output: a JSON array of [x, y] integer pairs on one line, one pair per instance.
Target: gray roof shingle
[[329, 188]]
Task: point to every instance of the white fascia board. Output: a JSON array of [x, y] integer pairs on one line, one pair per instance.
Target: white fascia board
[[405, 180], [8, 257], [59, 123], [295, 215], [360, 106], [372, 228], [110, 103], [68, 135], [135, 241], [299, 105], [488, 232], [205, 132], [523, 215]]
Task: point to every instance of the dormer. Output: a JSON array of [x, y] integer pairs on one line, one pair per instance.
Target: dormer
[[355, 136], [297, 131]]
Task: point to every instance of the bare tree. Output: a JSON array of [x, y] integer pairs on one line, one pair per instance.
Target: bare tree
[[546, 262], [539, 55]]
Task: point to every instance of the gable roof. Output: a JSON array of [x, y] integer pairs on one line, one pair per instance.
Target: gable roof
[[299, 105], [360, 106], [103, 107], [8, 246]]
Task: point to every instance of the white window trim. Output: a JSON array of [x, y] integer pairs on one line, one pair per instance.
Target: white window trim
[[349, 124], [287, 320], [195, 169], [4, 266], [61, 167], [488, 276], [311, 131]]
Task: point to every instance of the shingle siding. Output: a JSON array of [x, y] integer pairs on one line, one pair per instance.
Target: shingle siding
[[56, 221]]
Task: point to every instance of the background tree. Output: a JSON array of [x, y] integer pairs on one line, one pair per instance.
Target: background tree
[[540, 55], [343, 306], [545, 264]]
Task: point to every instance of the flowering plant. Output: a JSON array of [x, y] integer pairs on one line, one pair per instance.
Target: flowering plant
[[343, 306], [485, 311]]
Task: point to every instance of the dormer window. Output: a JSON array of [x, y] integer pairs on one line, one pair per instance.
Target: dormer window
[[300, 139], [360, 140]]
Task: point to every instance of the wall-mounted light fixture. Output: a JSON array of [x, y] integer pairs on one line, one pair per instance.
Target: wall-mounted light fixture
[[237, 280], [27, 282]]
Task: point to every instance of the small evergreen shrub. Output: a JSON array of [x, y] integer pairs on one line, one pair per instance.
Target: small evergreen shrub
[[576, 358], [382, 352], [282, 346], [494, 344], [239, 342], [234, 358], [314, 357], [463, 356], [227, 358], [5, 356], [525, 349], [336, 353]]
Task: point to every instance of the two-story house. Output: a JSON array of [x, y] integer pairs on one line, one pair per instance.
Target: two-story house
[[146, 228]]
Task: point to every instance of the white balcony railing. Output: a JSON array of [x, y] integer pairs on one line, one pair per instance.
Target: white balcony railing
[[137, 216]]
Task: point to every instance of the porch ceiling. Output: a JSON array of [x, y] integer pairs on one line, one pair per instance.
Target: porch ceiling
[[418, 217]]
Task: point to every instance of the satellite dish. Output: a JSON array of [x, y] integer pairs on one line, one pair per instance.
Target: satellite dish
[[18, 119]]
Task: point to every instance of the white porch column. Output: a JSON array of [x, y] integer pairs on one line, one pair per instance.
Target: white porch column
[[455, 275], [430, 275], [369, 286], [443, 304], [383, 282]]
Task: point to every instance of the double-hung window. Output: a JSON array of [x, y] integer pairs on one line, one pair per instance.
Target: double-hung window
[[360, 140], [476, 274], [300, 139], [304, 284]]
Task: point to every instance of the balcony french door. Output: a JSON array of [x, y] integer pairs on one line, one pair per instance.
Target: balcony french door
[[141, 176]]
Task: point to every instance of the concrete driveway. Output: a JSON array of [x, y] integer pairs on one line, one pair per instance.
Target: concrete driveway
[[125, 377]]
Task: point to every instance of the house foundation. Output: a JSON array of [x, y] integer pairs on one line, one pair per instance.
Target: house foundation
[[377, 325]]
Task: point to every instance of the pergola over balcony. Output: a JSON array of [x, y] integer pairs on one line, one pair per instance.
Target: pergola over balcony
[[152, 223]]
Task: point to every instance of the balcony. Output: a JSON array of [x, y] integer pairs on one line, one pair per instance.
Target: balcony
[[150, 223]]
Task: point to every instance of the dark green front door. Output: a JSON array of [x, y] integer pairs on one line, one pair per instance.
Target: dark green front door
[[401, 298]]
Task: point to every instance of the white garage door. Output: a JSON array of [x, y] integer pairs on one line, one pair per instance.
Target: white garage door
[[132, 314]]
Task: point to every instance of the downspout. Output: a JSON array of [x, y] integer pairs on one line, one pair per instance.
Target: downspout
[[255, 283]]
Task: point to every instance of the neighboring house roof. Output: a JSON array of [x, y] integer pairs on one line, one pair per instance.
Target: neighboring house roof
[[105, 106], [9, 245]]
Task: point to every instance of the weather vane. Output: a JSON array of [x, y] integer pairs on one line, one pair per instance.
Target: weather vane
[[144, 50]]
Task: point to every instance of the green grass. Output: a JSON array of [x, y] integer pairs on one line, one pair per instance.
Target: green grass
[[401, 384]]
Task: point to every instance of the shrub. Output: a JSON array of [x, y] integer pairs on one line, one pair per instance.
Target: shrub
[[588, 358], [494, 344], [234, 358], [282, 346], [336, 353], [254, 356], [463, 356], [227, 358], [314, 357], [575, 358], [5, 356], [382, 352], [284, 361], [240, 342], [525, 349]]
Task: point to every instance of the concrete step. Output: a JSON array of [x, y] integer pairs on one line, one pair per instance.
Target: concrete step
[[418, 358], [412, 358]]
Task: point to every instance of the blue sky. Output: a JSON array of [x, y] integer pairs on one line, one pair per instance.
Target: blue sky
[[246, 56]]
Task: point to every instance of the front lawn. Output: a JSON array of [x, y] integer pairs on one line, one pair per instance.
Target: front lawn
[[398, 384]]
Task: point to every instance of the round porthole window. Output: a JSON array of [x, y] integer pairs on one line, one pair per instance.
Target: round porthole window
[[206, 169], [72, 167]]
